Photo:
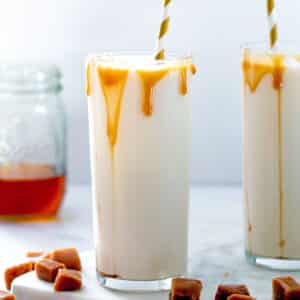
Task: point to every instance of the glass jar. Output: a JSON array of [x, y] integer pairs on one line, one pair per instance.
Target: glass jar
[[32, 141]]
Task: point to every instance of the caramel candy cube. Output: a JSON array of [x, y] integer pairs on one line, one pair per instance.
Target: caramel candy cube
[[240, 297], [13, 272], [285, 288], [68, 280], [68, 256], [47, 269], [6, 296], [226, 290], [185, 289]]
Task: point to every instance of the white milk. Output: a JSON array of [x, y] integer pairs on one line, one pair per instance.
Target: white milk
[[272, 155], [141, 183]]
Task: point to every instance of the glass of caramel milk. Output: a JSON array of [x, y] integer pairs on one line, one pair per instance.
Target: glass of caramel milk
[[139, 138], [271, 82]]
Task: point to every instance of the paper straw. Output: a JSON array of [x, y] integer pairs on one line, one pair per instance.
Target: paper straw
[[272, 22], [164, 27]]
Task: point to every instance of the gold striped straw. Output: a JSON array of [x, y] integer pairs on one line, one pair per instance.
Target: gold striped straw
[[272, 21], [164, 27]]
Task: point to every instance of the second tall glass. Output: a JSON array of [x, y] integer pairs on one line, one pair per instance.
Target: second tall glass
[[271, 155]]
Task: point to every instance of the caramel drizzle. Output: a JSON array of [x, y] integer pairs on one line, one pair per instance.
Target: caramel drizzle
[[193, 69], [113, 83], [149, 79], [183, 87], [88, 86], [253, 74]]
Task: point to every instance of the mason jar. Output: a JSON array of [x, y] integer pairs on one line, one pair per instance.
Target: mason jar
[[32, 141]]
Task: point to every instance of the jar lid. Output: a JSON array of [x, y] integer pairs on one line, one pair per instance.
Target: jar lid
[[30, 78]]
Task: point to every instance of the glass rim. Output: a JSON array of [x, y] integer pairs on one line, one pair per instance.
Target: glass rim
[[146, 58]]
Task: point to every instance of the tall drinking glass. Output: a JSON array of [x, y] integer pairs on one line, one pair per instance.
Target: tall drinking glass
[[139, 139], [271, 155]]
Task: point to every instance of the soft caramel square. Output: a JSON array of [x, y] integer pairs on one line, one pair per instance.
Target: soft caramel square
[[226, 290], [285, 288], [185, 289], [13, 272], [68, 256], [47, 269], [68, 280]]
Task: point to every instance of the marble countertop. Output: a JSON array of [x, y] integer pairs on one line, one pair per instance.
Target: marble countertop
[[216, 250]]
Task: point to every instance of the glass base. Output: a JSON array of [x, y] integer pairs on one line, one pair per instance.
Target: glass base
[[135, 286], [280, 264]]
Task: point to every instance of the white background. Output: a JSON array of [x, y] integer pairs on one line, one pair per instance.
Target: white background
[[64, 31]]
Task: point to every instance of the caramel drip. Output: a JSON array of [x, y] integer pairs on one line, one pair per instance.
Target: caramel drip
[[149, 80], [113, 83], [255, 70], [183, 87], [88, 85], [183, 90], [254, 73], [193, 69], [278, 70]]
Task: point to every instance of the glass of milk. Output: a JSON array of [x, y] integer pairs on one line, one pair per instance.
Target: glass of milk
[[271, 131], [139, 122]]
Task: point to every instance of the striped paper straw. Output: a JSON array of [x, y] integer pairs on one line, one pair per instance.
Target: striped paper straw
[[272, 21], [164, 27]]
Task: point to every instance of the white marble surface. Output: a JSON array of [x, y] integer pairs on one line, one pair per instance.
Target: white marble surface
[[216, 239]]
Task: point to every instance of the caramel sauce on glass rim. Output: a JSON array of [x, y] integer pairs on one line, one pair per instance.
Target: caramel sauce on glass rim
[[113, 72]]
